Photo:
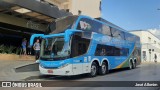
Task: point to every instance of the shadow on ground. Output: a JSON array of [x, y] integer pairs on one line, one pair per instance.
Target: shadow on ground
[[27, 68], [75, 77]]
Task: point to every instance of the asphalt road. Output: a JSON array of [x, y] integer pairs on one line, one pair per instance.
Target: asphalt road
[[144, 72]]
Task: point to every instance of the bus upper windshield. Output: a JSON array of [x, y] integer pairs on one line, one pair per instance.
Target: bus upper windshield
[[64, 23], [52, 48]]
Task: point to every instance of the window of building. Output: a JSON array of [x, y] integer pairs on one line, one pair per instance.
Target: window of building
[[79, 12], [154, 42], [144, 55], [67, 10], [149, 39], [106, 50]]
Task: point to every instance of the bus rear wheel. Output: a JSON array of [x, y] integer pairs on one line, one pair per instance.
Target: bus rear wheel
[[94, 69], [103, 69], [134, 65], [130, 65]]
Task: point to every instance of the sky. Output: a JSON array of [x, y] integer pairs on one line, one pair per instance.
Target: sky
[[132, 14]]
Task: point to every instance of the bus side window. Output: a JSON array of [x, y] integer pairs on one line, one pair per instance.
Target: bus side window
[[117, 34], [100, 50], [124, 52], [109, 51], [106, 50], [97, 53], [79, 46]]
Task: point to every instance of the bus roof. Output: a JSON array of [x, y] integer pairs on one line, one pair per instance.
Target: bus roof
[[100, 20], [107, 22]]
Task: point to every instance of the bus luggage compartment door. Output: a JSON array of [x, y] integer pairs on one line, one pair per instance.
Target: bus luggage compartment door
[[77, 67]]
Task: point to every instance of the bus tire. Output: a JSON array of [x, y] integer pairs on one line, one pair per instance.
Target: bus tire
[[134, 64], [103, 69], [94, 69], [130, 65]]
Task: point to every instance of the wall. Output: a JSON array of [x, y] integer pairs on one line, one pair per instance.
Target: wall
[[149, 44], [88, 7], [60, 3], [21, 22]]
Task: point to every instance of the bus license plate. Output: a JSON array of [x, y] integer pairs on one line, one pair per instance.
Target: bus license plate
[[50, 71]]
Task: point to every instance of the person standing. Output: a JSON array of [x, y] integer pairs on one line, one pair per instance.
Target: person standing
[[155, 58], [36, 47], [103, 52], [29, 49], [24, 42]]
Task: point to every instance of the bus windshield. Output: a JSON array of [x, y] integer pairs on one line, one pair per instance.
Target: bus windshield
[[54, 48], [61, 24]]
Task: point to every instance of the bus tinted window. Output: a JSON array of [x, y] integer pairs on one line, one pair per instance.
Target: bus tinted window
[[63, 23], [105, 30], [106, 50], [93, 26], [79, 45], [131, 37], [117, 33]]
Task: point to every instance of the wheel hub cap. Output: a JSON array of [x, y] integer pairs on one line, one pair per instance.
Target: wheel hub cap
[[93, 70]]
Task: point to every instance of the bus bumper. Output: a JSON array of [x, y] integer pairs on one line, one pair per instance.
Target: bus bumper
[[64, 71]]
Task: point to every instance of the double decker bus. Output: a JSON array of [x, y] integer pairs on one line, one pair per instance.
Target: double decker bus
[[81, 44]]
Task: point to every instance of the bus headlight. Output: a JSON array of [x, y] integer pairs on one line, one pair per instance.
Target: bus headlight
[[64, 65]]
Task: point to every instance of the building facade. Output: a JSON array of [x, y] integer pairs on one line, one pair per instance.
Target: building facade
[[21, 18], [90, 8], [150, 45]]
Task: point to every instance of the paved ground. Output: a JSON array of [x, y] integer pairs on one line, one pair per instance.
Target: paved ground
[[7, 70], [144, 72]]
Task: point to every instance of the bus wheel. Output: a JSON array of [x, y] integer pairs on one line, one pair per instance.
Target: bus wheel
[[134, 64], [94, 69], [103, 69], [130, 65]]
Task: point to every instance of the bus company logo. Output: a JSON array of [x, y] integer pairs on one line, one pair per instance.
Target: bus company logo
[[84, 25], [6, 84], [20, 84]]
